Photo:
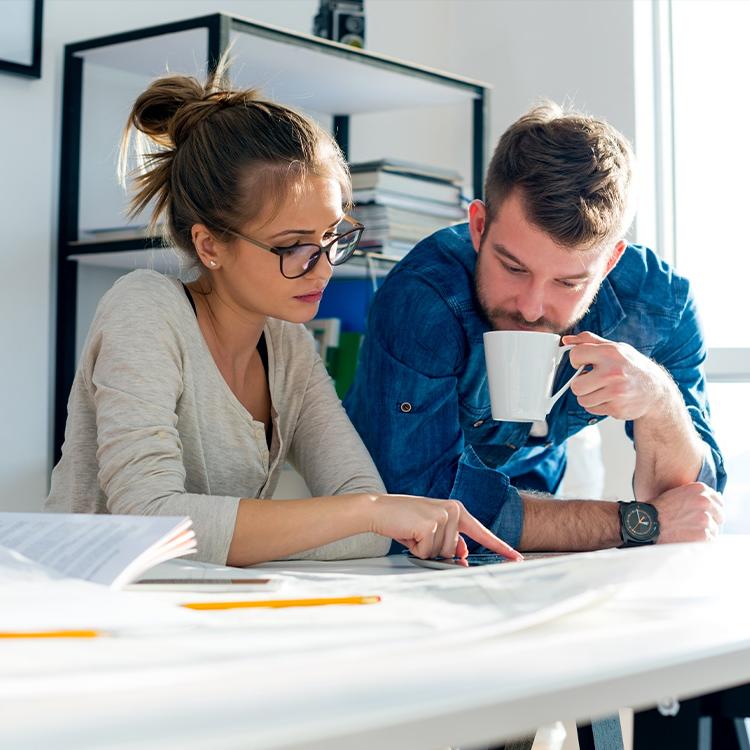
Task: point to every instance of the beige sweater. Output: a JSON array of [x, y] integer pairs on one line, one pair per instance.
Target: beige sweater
[[153, 428]]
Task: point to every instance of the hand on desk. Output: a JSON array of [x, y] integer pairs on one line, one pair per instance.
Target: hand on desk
[[433, 528], [692, 513]]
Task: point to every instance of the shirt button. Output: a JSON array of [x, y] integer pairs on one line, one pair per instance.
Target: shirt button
[[479, 423], [510, 446], [593, 420], [405, 407]]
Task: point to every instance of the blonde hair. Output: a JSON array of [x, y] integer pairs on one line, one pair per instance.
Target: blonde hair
[[212, 155]]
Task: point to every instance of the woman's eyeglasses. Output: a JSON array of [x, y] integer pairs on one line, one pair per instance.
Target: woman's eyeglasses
[[297, 260]]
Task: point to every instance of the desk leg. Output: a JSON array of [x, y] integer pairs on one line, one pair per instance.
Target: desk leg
[[728, 734], [652, 731], [586, 737], [728, 709], [712, 722]]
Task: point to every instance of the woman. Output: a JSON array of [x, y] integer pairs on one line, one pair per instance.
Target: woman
[[188, 399]]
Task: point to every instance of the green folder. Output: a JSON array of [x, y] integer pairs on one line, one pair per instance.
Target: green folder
[[342, 361]]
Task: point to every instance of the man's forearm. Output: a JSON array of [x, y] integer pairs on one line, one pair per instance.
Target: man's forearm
[[668, 451], [568, 525]]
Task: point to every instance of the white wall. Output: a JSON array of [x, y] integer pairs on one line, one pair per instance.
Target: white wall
[[573, 50]]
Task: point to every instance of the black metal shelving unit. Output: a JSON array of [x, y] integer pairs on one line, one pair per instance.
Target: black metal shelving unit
[[341, 81]]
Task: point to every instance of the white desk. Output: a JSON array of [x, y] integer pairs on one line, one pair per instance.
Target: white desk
[[223, 688]]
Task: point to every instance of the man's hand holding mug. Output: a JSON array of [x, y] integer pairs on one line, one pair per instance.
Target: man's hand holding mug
[[621, 382]]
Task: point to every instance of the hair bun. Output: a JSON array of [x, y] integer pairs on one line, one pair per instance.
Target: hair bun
[[172, 106], [188, 116], [156, 110]]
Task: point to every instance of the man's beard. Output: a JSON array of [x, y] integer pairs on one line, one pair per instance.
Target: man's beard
[[504, 320]]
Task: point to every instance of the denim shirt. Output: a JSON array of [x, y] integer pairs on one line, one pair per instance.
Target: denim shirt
[[420, 399]]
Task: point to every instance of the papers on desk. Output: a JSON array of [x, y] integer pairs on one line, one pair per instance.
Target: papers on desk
[[424, 609], [40, 600], [420, 614], [44, 556], [105, 549], [234, 686]]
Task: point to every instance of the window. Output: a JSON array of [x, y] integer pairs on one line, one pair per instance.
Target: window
[[707, 60], [711, 109], [730, 415]]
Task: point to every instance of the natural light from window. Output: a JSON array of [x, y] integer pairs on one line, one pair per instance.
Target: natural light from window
[[711, 111], [711, 64], [731, 407]]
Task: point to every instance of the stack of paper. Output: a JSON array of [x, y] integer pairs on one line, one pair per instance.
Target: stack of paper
[[110, 550]]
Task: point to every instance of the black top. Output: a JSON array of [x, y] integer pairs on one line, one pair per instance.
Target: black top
[[262, 350]]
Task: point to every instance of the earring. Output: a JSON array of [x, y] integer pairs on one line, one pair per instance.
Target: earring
[[212, 264]]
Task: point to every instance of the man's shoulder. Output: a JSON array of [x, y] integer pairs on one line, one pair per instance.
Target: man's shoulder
[[644, 279], [439, 257], [421, 311], [434, 280], [441, 266]]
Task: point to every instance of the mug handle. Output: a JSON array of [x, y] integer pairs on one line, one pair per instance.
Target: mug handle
[[563, 349]]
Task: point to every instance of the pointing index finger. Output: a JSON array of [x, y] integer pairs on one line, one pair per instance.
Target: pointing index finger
[[480, 533]]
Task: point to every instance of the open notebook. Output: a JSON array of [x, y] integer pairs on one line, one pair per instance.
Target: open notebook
[[105, 549]]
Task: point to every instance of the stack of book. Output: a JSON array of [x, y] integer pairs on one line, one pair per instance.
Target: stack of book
[[401, 202]]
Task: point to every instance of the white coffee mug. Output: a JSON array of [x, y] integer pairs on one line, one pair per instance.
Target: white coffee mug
[[521, 368]]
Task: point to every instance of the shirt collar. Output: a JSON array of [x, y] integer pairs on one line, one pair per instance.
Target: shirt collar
[[605, 313]]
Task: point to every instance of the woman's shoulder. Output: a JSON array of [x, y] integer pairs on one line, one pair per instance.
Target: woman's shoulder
[[145, 295], [140, 319], [145, 282]]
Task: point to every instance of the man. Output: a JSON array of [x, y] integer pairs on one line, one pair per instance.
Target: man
[[543, 252]]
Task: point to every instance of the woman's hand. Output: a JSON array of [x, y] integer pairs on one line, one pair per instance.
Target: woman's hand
[[431, 528]]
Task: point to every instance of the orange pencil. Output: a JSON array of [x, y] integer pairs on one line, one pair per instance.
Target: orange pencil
[[52, 634], [278, 603]]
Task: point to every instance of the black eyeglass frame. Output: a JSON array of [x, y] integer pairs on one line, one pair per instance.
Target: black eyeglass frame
[[357, 228]]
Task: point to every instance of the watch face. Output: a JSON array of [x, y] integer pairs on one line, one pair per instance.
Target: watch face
[[639, 523]]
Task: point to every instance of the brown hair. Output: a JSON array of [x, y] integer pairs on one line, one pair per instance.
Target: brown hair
[[573, 171], [219, 156]]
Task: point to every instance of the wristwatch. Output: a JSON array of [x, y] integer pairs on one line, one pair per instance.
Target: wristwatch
[[639, 523]]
